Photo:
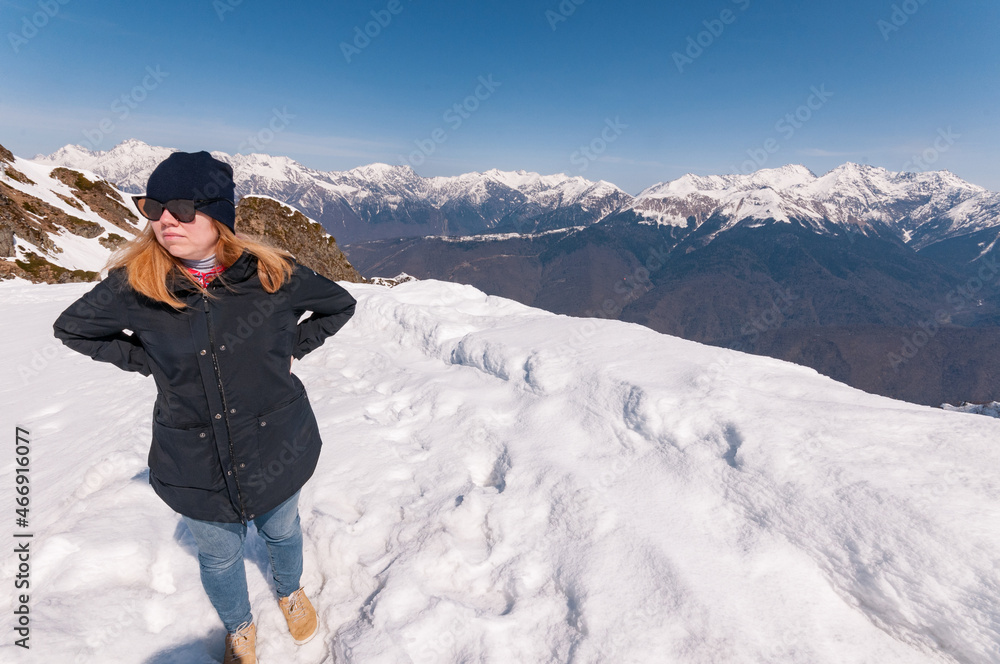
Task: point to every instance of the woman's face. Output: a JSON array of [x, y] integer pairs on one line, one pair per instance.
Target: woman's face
[[194, 240]]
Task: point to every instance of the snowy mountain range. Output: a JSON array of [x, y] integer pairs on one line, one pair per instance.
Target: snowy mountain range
[[383, 201], [920, 208], [377, 200]]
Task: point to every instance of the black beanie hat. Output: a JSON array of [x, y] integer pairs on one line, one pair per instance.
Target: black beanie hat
[[196, 175]]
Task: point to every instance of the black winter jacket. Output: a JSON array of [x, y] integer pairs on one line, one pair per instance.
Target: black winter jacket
[[233, 432]]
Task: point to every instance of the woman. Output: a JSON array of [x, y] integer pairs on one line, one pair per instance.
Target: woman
[[214, 318]]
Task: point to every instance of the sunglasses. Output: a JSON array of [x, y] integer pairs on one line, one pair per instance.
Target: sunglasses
[[182, 209]]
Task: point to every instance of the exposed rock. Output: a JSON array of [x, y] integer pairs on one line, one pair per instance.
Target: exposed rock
[[991, 409], [112, 241], [44, 219], [400, 278], [8, 270], [70, 201], [291, 230], [15, 174], [6, 159], [7, 241], [37, 269], [82, 227], [74, 225], [100, 197], [15, 219]]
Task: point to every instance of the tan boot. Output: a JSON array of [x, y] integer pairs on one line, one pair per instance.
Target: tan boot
[[300, 616], [241, 645]]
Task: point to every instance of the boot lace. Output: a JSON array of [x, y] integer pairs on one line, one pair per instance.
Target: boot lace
[[296, 611], [240, 640]]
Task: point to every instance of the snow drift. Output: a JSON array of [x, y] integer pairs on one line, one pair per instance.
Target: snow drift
[[500, 484]]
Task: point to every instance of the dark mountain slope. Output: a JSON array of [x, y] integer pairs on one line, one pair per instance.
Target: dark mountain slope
[[831, 298]]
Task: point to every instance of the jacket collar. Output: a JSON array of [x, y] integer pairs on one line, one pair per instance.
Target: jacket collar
[[242, 270]]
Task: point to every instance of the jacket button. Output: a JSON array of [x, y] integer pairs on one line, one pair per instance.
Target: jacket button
[[201, 435], [242, 465], [218, 416], [222, 348], [203, 352], [252, 516], [263, 424], [232, 410], [229, 472]]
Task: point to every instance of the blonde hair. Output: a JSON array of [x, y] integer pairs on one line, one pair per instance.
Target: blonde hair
[[148, 263]]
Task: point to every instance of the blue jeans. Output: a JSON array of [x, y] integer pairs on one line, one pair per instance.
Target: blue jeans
[[220, 556]]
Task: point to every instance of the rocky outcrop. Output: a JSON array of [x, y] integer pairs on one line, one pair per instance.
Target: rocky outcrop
[[7, 241], [35, 222], [6, 159], [100, 197], [44, 217], [112, 241], [15, 174], [289, 229], [15, 219], [35, 268]]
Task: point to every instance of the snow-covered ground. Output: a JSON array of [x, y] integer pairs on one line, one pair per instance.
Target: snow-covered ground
[[500, 484]]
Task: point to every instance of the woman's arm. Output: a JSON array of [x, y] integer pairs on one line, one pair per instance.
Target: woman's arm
[[332, 307], [94, 325]]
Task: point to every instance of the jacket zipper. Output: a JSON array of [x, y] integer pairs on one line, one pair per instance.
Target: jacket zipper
[[225, 408]]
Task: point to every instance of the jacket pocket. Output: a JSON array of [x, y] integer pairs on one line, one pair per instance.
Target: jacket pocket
[[285, 436], [185, 457]]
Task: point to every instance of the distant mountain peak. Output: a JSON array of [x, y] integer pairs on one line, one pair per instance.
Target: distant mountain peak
[[788, 170], [380, 168], [851, 195], [133, 142]]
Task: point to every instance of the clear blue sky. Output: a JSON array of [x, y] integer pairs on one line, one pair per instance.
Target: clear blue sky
[[897, 78]]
